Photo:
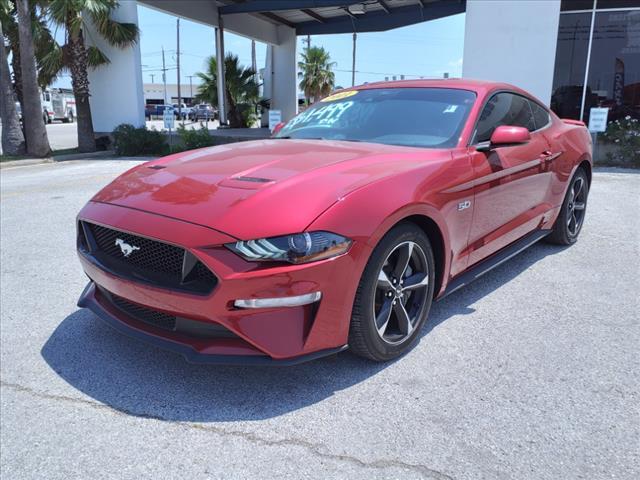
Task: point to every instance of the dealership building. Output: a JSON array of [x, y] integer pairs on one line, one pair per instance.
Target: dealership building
[[571, 54]]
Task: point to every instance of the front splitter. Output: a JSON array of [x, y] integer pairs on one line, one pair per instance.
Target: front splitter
[[88, 300]]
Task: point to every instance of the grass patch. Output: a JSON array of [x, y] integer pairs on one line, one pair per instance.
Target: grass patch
[[64, 151]]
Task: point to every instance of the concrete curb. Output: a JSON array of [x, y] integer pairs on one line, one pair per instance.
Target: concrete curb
[[25, 162], [104, 155]]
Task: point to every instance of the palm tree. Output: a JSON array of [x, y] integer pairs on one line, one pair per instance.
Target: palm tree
[[42, 39], [241, 89], [35, 131], [77, 58], [318, 80], [12, 136]]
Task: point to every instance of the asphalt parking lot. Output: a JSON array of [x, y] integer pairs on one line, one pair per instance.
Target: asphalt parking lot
[[530, 373]]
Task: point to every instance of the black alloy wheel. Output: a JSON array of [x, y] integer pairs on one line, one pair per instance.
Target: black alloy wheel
[[394, 295]]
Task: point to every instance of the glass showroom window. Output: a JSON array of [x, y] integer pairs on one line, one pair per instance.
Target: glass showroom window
[[609, 49], [571, 64], [614, 66]]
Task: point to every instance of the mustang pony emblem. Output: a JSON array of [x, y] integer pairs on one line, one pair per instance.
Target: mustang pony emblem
[[125, 247]]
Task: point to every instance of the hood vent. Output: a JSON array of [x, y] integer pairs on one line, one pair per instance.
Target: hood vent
[[253, 179]]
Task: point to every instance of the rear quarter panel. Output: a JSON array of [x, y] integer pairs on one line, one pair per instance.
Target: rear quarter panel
[[575, 145]]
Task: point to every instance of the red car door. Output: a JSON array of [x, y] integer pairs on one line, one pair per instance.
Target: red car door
[[511, 181]]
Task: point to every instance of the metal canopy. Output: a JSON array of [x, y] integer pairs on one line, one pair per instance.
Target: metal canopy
[[318, 17]]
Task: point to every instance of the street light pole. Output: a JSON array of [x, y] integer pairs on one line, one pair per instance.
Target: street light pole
[[353, 64], [164, 77], [178, 65], [191, 87]]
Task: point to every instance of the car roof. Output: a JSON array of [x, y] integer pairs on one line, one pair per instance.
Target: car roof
[[478, 86]]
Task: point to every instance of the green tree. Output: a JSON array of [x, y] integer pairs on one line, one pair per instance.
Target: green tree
[[75, 16], [318, 79], [241, 94], [43, 41]]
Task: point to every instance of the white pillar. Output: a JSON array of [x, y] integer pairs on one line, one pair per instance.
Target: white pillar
[[283, 82], [220, 79], [513, 42], [117, 94]]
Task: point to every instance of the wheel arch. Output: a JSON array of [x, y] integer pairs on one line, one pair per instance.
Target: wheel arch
[[436, 238], [586, 166]]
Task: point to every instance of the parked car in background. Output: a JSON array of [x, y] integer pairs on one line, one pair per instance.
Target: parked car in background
[[149, 111], [203, 111], [182, 112], [161, 108], [339, 232]]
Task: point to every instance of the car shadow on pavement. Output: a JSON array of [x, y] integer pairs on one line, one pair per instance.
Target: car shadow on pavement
[[141, 380]]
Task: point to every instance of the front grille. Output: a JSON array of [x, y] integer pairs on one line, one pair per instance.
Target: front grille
[[149, 254], [144, 314], [143, 259]]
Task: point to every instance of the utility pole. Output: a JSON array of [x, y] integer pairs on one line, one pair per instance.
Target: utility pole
[[178, 65], [353, 64], [191, 87], [152, 75], [164, 77]]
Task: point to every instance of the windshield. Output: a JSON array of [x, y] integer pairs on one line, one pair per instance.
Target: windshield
[[416, 117]]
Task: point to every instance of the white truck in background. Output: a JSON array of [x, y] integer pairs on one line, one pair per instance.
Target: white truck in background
[[58, 104]]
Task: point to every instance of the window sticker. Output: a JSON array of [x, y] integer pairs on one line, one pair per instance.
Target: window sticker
[[450, 109], [324, 116], [339, 96]]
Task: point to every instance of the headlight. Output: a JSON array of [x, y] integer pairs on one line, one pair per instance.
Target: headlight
[[298, 248]]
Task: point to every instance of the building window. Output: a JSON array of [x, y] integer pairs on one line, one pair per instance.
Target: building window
[[571, 64], [613, 56], [614, 67]]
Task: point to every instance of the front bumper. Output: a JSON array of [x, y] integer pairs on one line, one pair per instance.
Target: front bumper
[[89, 299], [282, 336]]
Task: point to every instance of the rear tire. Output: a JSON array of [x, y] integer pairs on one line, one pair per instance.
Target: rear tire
[[394, 295], [572, 213]]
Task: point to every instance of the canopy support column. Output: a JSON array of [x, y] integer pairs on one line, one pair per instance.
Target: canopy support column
[[222, 101]]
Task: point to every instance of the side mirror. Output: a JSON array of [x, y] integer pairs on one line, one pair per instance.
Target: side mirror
[[277, 128], [504, 136]]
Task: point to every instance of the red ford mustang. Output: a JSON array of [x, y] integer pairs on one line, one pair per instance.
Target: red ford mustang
[[341, 230]]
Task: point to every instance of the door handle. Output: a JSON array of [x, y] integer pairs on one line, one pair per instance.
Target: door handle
[[547, 156]]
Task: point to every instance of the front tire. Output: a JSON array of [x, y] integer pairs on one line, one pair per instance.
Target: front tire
[[394, 295], [574, 207]]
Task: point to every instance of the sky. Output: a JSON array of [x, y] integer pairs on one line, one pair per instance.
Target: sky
[[427, 49]]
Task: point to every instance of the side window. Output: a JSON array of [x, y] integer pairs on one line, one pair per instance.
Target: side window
[[540, 115], [504, 109]]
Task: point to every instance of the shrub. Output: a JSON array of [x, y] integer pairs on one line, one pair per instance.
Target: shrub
[[192, 138], [625, 135], [131, 141], [249, 114]]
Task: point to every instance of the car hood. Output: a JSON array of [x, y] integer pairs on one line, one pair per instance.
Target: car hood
[[259, 188]]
